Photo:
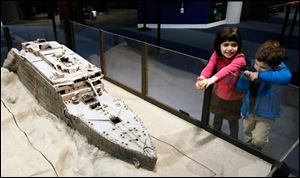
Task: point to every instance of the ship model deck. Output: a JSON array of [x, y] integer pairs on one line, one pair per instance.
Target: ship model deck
[[70, 87]]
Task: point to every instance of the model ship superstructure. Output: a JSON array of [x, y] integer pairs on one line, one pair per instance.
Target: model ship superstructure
[[70, 87]]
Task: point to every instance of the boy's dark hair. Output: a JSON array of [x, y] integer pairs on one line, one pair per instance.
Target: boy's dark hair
[[271, 53], [228, 33]]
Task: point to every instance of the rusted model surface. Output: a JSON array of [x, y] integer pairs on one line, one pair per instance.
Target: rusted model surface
[[70, 87]]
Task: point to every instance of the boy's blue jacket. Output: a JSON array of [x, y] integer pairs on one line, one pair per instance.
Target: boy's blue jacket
[[267, 103]]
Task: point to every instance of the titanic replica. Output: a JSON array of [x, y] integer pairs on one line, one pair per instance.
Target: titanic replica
[[70, 87]]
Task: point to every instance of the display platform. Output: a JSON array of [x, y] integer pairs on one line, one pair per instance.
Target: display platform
[[55, 149]]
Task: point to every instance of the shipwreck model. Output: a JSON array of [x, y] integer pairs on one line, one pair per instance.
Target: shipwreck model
[[70, 87]]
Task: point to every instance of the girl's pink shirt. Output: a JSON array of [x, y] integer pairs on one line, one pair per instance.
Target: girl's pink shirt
[[227, 73]]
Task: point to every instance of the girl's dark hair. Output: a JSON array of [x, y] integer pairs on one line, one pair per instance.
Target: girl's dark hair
[[271, 53], [229, 33]]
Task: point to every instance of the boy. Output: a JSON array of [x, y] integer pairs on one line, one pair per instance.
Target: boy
[[261, 102]]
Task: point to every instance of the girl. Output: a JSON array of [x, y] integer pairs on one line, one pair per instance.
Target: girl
[[226, 61]]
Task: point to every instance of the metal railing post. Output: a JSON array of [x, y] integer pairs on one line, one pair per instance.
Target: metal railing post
[[102, 56], [293, 22], [144, 71], [286, 19], [205, 106], [69, 35], [7, 38]]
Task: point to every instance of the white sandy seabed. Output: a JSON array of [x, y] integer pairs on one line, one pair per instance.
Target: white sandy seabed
[[36, 143]]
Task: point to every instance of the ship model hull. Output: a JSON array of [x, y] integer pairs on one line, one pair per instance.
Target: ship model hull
[[70, 87]]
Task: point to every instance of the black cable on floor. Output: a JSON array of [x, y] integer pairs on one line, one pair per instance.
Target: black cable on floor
[[185, 154], [29, 139]]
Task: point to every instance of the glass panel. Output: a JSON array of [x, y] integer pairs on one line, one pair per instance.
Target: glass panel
[[292, 159], [60, 34], [30, 32], [123, 60], [87, 43], [171, 80], [275, 126], [285, 130]]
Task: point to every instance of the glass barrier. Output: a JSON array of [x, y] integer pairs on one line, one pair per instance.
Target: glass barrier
[[123, 60], [29, 32], [60, 34], [274, 137], [285, 130], [87, 43], [171, 80]]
